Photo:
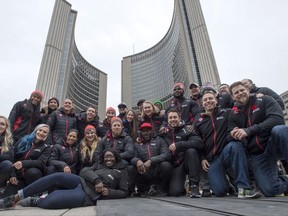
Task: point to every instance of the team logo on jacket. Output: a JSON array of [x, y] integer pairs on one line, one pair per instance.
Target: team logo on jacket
[[184, 105], [218, 118], [200, 119]]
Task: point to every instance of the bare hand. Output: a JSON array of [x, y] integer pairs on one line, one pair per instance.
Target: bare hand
[[190, 128], [67, 169], [147, 164], [172, 147], [99, 187], [238, 133], [17, 165], [205, 165], [105, 191], [140, 167], [13, 181]]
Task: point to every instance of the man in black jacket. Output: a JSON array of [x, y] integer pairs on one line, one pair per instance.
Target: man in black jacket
[[219, 155], [150, 167], [184, 147], [252, 88], [89, 117], [188, 108], [259, 124], [25, 115]]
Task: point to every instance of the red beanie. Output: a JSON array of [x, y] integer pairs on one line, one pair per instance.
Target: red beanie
[[111, 109], [181, 85], [114, 119], [38, 93], [89, 127]]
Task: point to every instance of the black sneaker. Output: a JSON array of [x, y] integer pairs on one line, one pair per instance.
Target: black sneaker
[[206, 193], [7, 202], [195, 192]]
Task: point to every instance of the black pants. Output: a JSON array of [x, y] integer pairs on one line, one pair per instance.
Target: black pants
[[191, 167], [159, 174]]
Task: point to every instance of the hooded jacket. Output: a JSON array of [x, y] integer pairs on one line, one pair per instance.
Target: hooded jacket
[[257, 118]]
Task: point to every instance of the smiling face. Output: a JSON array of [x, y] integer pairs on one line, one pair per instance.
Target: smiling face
[[36, 99], [148, 109], [71, 138], [209, 102], [109, 159], [53, 104], [42, 133], [147, 134], [173, 119], [110, 115], [90, 135], [68, 105], [91, 113], [240, 94], [178, 91], [130, 116], [3, 125], [194, 91]]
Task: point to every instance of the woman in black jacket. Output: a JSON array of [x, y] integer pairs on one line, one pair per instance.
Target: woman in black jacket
[[64, 156], [107, 180], [6, 151], [31, 156]]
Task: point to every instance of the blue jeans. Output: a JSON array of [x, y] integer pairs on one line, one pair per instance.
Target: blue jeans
[[264, 165], [232, 155], [68, 191]]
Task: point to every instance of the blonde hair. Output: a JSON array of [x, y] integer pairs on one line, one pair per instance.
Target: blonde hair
[[8, 139], [154, 108], [86, 149]]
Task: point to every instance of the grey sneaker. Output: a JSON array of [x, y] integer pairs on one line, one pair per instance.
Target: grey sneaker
[[28, 202], [246, 193], [195, 192], [7, 202]]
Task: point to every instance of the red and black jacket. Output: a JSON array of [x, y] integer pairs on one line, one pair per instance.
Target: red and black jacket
[[257, 118], [213, 131], [24, 117]]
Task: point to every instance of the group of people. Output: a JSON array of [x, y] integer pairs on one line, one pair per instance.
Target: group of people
[[222, 142]]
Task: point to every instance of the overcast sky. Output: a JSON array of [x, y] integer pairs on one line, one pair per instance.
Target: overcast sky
[[249, 40]]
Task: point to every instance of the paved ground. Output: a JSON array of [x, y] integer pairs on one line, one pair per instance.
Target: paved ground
[[167, 206]]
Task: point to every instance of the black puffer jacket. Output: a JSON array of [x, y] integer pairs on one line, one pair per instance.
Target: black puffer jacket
[[63, 155], [114, 178], [24, 117], [123, 144], [60, 124], [213, 131], [257, 118], [183, 140], [157, 151]]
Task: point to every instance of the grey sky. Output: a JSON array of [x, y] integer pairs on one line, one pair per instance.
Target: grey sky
[[249, 39]]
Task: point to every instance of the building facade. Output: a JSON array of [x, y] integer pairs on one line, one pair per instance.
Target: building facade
[[64, 72], [284, 97], [183, 55]]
